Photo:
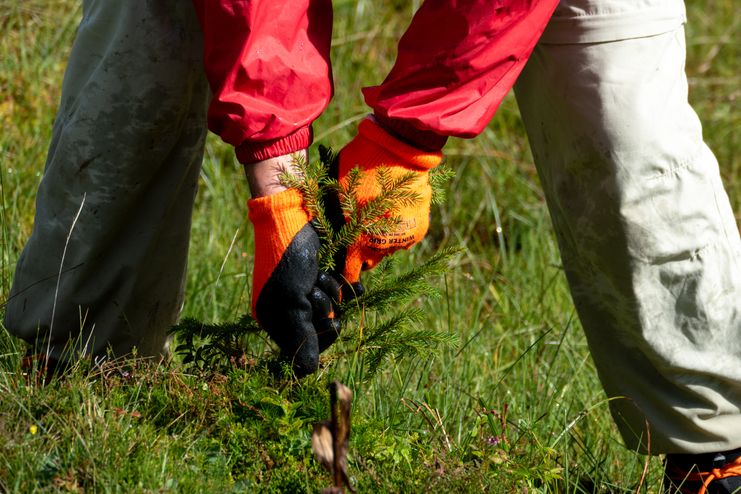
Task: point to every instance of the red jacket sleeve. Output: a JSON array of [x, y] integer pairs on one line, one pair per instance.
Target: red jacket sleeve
[[268, 66], [455, 63]]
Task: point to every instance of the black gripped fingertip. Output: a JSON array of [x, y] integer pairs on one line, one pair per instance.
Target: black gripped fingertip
[[352, 291], [324, 319], [329, 285], [327, 333], [321, 305], [305, 368], [285, 367], [305, 360], [358, 288]]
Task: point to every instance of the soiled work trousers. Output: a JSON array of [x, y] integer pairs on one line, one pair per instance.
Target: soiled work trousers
[[648, 239], [125, 153]]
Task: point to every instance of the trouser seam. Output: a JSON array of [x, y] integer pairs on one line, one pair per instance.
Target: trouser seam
[[677, 166]]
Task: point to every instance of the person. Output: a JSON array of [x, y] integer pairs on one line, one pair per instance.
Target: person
[[647, 236]]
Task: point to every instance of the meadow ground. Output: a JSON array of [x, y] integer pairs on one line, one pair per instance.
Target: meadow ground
[[514, 406]]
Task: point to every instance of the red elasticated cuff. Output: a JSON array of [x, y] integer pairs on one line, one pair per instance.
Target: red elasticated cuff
[[426, 140], [253, 151]]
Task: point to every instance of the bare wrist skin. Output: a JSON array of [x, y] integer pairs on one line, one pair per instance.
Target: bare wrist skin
[[264, 176]]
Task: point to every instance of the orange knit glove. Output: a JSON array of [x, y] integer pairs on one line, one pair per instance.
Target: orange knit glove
[[371, 149], [291, 299]]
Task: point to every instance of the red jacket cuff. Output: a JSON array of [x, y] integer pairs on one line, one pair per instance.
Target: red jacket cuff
[[252, 151]]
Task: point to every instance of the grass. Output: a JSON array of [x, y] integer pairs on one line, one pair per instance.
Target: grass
[[514, 407]]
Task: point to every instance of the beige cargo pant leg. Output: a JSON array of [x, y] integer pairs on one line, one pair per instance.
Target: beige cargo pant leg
[[105, 265], [647, 236]]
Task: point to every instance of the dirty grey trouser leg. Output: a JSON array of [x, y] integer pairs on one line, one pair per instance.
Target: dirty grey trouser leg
[[647, 236], [126, 148]]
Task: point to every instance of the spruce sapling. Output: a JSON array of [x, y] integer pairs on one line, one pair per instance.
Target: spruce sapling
[[394, 332]]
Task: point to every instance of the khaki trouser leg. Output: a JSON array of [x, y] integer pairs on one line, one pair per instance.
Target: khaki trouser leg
[[647, 236], [126, 152]]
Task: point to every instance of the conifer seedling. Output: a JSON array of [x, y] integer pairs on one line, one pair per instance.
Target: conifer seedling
[[396, 331]]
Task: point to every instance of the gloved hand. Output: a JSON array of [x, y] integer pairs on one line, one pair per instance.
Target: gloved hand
[[291, 299], [371, 149]]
